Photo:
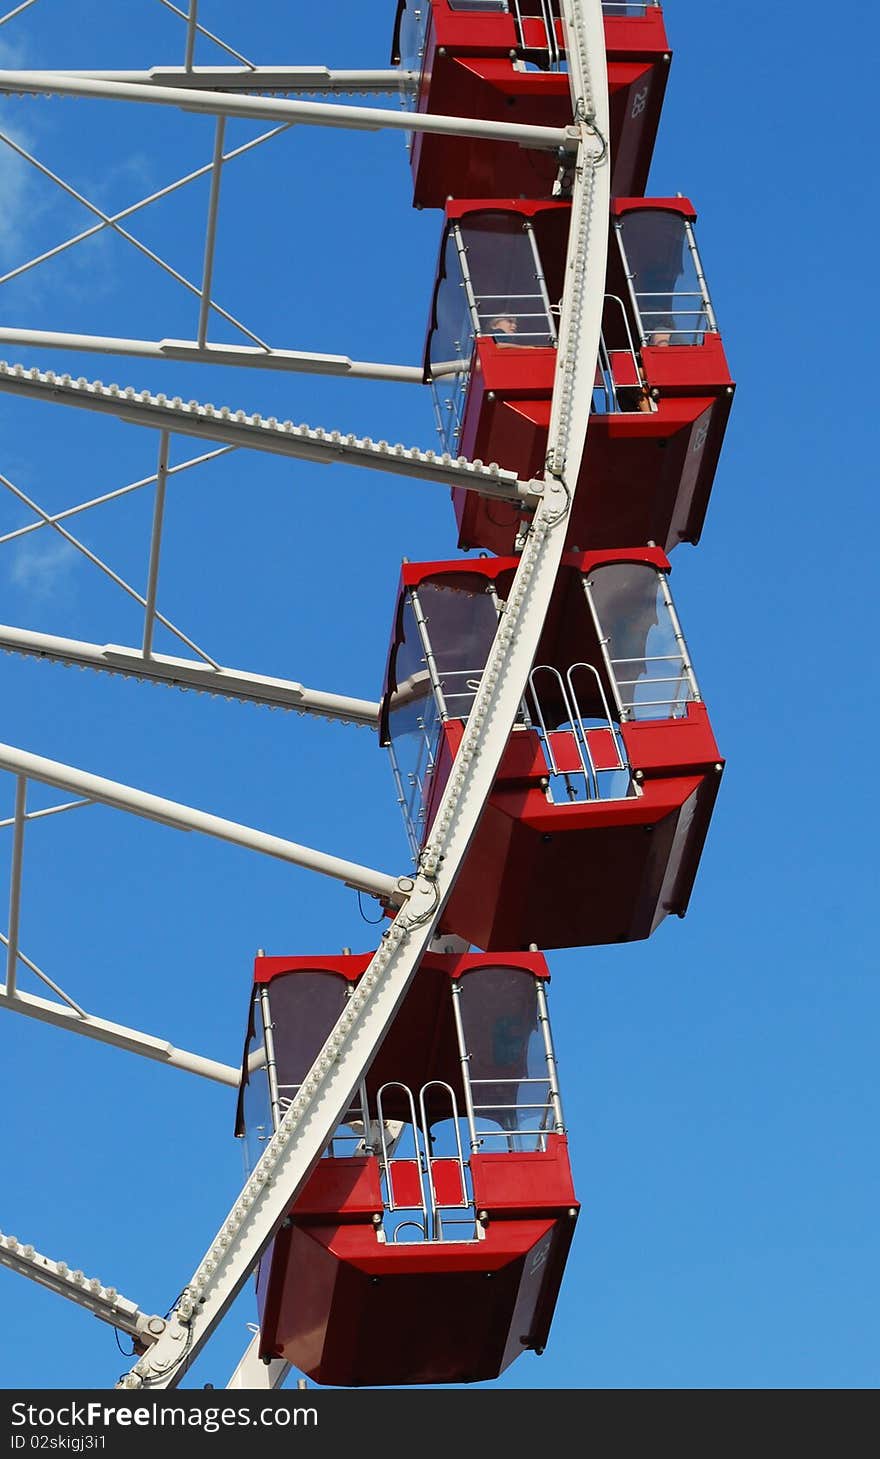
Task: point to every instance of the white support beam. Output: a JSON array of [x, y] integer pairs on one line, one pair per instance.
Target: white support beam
[[11, 14], [211, 231], [192, 21], [299, 80], [155, 544], [46, 1010], [236, 428], [295, 113], [253, 1372], [187, 818], [237, 684], [306, 362], [346, 1056], [88, 1292], [19, 819]]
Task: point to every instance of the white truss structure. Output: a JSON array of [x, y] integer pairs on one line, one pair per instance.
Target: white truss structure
[[414, 902]]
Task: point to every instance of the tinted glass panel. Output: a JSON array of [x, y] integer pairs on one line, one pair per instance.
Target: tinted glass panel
[[646, 657], [664, 277], [506, 1067]]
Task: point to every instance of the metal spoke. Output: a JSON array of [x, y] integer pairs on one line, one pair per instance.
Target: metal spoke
[[75, 1020], [188, 674], [187, 818], [235, 427], [302, 113]]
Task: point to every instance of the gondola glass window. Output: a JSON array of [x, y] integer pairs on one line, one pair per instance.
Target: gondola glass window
[[491, 285], [646, 654], [507, 1064], [306, 1008], [447, 632], [668, 290]]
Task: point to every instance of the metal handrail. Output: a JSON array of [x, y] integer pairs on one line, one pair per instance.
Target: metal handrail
[[436, 1207], [577, 729], [388, 1159], [609, 386]]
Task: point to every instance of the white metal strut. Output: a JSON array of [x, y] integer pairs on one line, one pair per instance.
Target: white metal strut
[[186, 818], [255, 1372], [236, 428], [102, 1030], [302, 113], [190, 674], [283, 80]]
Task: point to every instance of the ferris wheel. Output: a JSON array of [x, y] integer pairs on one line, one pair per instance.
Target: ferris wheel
[[196, 239]]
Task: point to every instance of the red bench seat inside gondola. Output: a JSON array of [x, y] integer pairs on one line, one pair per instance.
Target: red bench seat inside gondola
[[428, 1244]]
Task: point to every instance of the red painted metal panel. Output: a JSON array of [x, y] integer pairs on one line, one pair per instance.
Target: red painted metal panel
[[447, 1183], [528, 1183], [405, 1181], [670, 746], [350, 1311], [603, 749], [470, 69], [348, 1189], [578, 875], [644, 475], [565, 750]]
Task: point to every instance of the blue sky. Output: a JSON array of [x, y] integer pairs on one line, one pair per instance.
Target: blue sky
[[719, 1080]]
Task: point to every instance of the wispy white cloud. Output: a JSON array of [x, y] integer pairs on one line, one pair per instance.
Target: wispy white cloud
[[16, 186], [42, 569]]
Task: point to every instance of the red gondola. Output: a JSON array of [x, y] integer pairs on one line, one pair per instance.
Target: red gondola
[[428, 1244], [663, 387], [504, 60], [595, 826]]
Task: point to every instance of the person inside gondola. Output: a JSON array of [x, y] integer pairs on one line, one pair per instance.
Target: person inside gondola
[[659, 337], [503, 329]]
